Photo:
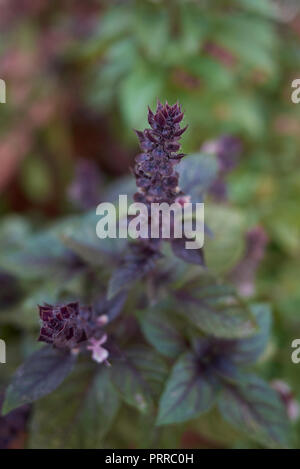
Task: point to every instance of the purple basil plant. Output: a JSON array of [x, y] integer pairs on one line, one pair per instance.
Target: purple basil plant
[[144, 334]]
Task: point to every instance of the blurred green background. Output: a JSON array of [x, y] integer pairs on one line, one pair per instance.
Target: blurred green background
[[79, 77]]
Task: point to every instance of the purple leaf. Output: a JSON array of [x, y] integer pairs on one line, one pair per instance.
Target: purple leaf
[[192, 256], [41, 374], [140, 260], [187, 394], [255, 409], [215, 309], [160, 331]]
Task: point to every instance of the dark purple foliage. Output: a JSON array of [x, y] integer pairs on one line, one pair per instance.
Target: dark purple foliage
[[244, 273], [10, 291], [227, 149], [85, 190], [214, 357], [139, 261], [12, 425]]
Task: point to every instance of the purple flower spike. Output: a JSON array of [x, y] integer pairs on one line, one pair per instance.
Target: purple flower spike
[[156, 177], [60, 325], [69, 325]]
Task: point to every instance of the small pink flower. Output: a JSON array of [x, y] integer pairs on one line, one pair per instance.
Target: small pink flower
[[211, 147], [183, 199], [99, 354], [102, 320], [287, 397]]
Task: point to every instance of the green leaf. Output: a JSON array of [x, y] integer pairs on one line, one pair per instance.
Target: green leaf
[[262, 7], [138, 375], [284, 224], [90, 254], [193, 26], [215, 309], [233, 32], [213, 73], [152, 31], [138, 90], [197, 172], [115, 22], [216, 430], [35, 180], [78, 415], [41, 374], [79, 235], [161, 332], [256, 409], [248, 350], [188, 393], [39, 256], [25, 313], [225, 248], [14, 230], [246, 113]]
